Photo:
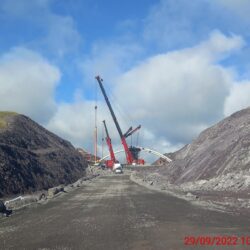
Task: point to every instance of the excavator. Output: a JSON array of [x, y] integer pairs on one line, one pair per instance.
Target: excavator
[[132, 153]]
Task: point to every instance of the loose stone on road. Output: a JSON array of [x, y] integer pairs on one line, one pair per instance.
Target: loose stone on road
[[114, 213]]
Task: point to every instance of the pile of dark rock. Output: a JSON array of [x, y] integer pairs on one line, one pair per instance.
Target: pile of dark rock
[[32, 158], [218, 159]]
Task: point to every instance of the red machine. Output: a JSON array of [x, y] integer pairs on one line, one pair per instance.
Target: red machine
[[109, 163], [132, 153]]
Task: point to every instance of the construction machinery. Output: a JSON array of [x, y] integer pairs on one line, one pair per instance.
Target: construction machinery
[[132, 153], [109, 163], [134, 150]]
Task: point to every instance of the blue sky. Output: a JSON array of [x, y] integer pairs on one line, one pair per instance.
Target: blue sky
[[175, 66], [26, 24]]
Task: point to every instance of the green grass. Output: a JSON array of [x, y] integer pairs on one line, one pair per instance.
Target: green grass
[[3, 116]]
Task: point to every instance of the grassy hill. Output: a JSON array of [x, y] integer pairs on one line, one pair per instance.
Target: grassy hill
[[3, 118]]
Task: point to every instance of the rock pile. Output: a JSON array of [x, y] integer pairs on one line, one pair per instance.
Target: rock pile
[[32, 158]]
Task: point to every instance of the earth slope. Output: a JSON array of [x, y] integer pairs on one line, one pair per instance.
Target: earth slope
[[218, 159], [32, 158]]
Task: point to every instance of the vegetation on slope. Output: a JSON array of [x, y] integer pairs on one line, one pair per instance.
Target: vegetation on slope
[[3, 118]]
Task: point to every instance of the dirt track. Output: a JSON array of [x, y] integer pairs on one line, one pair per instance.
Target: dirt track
[[114, 213]]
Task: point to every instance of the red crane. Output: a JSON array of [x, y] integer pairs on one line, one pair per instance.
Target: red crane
[[131, 131], [132, 152], [109, 163]]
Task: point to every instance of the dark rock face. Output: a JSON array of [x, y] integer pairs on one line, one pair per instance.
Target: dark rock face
[[32, 158], [221, 150], [88, 156], [2, 207]]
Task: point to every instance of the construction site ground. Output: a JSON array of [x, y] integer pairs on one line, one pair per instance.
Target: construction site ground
[[112, 212]]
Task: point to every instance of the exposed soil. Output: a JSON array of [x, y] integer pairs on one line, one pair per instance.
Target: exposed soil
[[32, 158]]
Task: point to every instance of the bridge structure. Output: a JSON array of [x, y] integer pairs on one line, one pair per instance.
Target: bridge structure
[[148, 150]]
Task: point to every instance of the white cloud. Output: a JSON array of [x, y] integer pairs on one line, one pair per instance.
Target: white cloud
[[27, 84], [72, 122], [109, 60], [180, 93], [239, 97], [76, 121], [173, 95], [219, 45], [59, 34]]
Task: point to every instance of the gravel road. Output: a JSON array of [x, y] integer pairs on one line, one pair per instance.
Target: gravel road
[[113, 213]]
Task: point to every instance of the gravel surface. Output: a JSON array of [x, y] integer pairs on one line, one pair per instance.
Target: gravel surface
[[229, 201], [112, 212]]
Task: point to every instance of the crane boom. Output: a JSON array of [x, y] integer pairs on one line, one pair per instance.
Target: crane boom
[[132, 131], [129, 155], [129, 130], [109, 143], [98, 78]]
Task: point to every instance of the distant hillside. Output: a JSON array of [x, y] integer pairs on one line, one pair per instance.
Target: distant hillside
[[87, 156], [218, 159], [32, 158]]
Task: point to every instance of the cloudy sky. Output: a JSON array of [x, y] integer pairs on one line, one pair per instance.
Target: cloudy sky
[[173, 66]]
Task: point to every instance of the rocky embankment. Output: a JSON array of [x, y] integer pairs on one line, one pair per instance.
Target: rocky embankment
[[43, 196], [32, 158], [214, 166]]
